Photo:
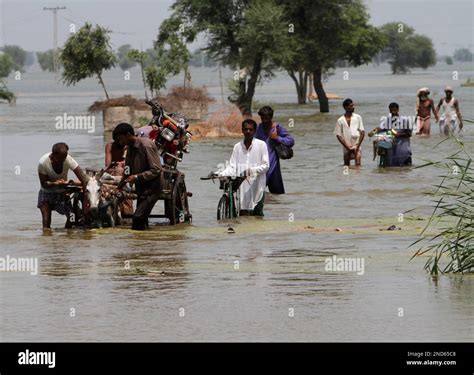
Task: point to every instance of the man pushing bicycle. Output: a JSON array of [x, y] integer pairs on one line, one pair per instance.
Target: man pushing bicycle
[[249, 157]]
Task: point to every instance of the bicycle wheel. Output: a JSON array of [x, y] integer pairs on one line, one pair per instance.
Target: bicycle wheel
[[236, 205], [223, 208]]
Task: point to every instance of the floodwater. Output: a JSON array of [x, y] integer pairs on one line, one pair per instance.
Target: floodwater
[[266, 282]]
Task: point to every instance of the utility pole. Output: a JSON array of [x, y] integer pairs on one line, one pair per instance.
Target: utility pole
[[55, 51]]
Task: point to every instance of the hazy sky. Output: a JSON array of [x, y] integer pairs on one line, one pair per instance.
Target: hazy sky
[[24, 22]]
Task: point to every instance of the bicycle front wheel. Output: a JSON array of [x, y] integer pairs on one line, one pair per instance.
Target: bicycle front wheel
[[223, 208]]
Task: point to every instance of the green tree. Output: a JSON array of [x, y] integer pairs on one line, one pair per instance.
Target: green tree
[[245, 35], [462, 54], [155, 79], [6, 67], [17, 54], [124, 60], [87, 53], [172, 54], [46, 60], [324, 33], [139, 57], [407, 49]]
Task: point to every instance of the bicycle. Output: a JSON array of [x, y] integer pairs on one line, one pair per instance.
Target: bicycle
[[229, 204]]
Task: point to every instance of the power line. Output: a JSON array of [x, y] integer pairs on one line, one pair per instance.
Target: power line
[[55, 51]]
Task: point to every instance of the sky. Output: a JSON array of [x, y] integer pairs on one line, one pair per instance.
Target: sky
[[450, 23]]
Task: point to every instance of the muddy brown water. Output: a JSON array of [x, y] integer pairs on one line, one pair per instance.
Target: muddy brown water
[[183, 282]]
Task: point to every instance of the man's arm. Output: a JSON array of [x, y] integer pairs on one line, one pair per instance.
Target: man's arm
[[231, 169], [80, 175], [108, 154], [283, 136], [361, 138], [44, 180], [435, 111], [341, 140], [458, 113], [154, 162], [439, 104], [265, 163]]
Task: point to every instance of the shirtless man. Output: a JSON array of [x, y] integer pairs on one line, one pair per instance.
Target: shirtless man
[[424, 106], [451, 113], [115, 164]]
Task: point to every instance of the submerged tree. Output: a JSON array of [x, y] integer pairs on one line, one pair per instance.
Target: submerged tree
[[6, 67], [407, 49], [325, 32], [123, 57], [87, 53], [246, 35], [17, 54], [46, 60]]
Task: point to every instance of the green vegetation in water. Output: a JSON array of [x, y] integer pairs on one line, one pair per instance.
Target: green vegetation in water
[[454, 205]]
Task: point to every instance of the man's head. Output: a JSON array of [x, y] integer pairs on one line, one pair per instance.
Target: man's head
[[249, 127], [266, 115], [393, 108], [423, 93], [448, 90], [59, 152], [124, 134], [348, 105]]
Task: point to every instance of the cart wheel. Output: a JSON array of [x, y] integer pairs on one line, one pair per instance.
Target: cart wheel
[[177, 207]]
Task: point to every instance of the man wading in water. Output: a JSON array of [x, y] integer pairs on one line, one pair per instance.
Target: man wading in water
[[451, 113], [249, 156], [52, 171], [143, 168], [273, 133], [424, 106], [350, 133]]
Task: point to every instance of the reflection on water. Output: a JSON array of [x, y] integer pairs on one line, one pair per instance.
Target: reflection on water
[[198, 282]]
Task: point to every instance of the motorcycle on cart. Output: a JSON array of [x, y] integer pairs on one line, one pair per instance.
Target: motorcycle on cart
[[172, 139]]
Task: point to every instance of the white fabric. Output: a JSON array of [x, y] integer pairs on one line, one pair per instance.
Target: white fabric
[[45, 167], [449, 111], [350, 134], [254, 159]]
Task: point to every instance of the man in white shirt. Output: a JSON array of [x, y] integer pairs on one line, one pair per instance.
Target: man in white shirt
[[53, 168], [250, 156], [350, 133]]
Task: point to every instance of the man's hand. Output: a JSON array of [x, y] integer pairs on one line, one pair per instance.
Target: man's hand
[[460, 125], [57, 182], [274, 135], [131, 179]]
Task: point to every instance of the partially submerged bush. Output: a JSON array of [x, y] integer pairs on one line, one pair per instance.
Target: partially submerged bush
[[7, 95], [124, 101], [178, 95], [455, 210], [172, 102]]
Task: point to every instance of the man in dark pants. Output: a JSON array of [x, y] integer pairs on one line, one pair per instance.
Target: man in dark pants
[[142, 168]]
